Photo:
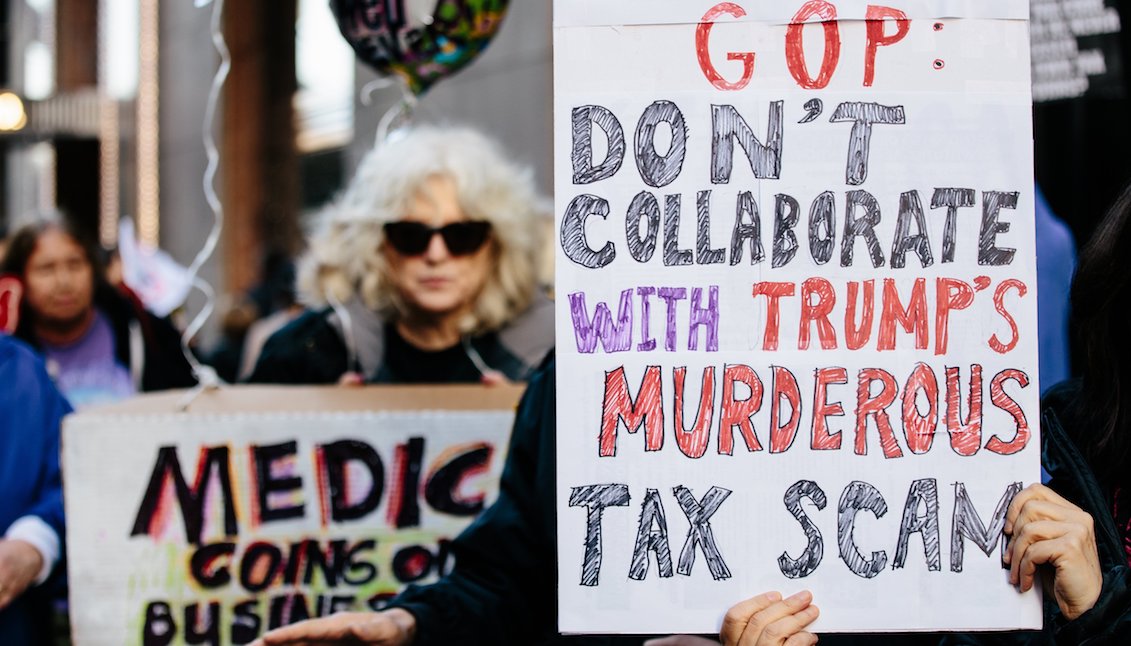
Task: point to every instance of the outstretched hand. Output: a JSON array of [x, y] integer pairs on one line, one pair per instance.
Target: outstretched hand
[[1046, 529], [395, 627], [769, 620]]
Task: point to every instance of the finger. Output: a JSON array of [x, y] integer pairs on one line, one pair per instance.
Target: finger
[[351, 379], [6, 591], [763, 619], [781, 631], [1031, 535], [493, 378], [1028, 533], [1038, 554], [1036, 511], [8, 594], [1034, 492], [681, 640], [306, 632], [739, 615], [802, 639]]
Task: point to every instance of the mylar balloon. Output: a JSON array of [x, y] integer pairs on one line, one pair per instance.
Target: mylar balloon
[[422, 41]]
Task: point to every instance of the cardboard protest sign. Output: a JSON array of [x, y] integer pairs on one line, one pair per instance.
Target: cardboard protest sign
[[797, 332], [266, 506]]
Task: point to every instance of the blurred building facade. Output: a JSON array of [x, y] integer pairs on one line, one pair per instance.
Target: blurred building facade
[[102, 109], [113, 96]]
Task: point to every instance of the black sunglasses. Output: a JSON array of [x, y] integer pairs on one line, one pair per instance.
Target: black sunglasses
[[461, 238]]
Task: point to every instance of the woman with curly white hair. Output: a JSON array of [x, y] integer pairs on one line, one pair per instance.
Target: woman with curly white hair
[[425, 271]]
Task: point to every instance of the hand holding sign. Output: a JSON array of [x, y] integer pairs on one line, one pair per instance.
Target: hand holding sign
[[767, 620], [1047, 529], [389, 628]]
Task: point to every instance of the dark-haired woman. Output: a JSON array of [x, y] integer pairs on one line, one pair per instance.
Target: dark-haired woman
[[1078, 528], [100, 344]]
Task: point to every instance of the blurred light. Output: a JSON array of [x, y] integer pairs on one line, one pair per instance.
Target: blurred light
[[148, 126], [324, 69], [42, 156], [41, 6], [12, 114], [110, 168], [39, 71], [118, 66]]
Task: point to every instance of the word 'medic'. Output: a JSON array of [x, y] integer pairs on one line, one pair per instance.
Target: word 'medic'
[[920, 516], [341, 499]]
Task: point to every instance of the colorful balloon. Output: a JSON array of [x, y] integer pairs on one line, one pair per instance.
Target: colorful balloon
[[422, 41]]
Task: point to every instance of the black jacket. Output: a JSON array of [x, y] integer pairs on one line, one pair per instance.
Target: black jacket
[[308, 350], [1109, 621], [312, 349], [503, 589], [161, 364]]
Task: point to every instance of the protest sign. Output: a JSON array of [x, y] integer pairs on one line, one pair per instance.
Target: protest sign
[[796, 310], [266, 506]]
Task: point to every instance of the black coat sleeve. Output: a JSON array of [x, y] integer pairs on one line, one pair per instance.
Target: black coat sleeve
[[502, 589], [165, 363], [308, 350]]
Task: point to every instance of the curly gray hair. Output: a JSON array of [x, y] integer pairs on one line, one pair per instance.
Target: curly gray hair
[[345, 259]]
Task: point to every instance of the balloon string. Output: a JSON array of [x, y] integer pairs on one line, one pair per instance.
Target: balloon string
[[397, 117], [210, 141], [205, 374], [369, 88]]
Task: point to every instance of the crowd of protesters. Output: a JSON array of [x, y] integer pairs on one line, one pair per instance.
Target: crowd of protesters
[[426, 270]]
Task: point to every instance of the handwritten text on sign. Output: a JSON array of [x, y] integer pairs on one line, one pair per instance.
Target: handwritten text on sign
[[786, 286], [213, 530]]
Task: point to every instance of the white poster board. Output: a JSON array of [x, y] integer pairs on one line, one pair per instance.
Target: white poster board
[[216, 525], [797, 330]]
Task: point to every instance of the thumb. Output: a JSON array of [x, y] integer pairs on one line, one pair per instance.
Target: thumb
[[351, 379], [494, 378]]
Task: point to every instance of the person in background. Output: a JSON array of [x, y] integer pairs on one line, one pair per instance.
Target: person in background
[[278, 305], [99, 343], [31, 507], [1056, 262], [425, 272], [3, 241], [112, 267], [226, 356]]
